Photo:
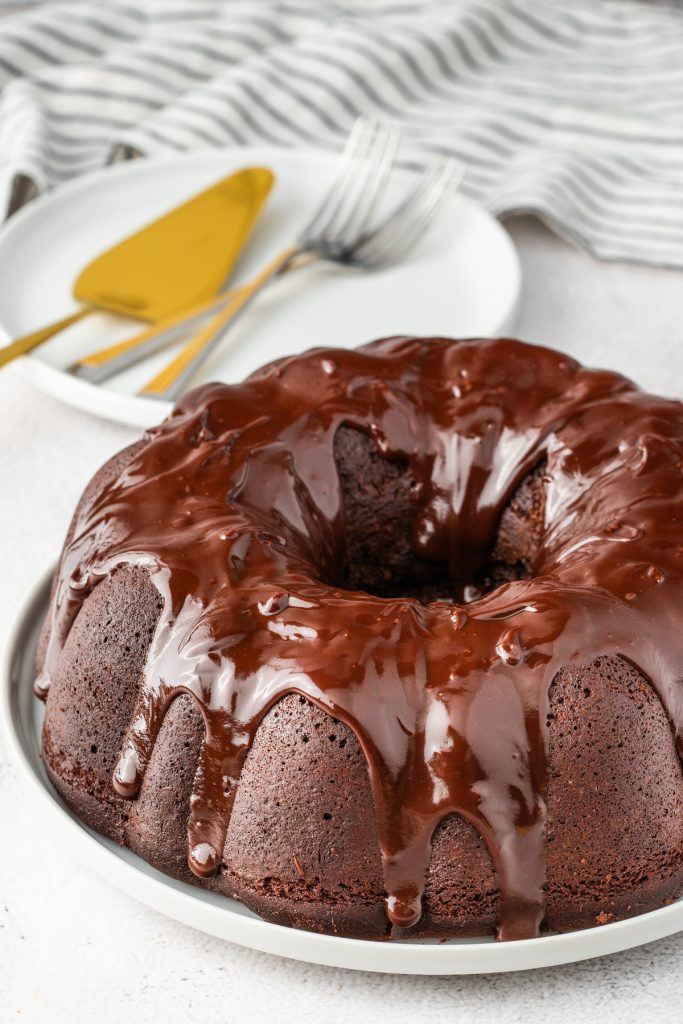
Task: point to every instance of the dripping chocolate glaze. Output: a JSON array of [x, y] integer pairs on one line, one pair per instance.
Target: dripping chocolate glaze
[[234, 506]]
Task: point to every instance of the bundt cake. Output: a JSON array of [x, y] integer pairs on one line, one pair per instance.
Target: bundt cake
[[386, 643]]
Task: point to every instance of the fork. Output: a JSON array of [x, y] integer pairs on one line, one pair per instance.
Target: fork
[[338, 232]]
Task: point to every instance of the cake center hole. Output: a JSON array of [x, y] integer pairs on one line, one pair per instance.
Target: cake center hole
[[380, 504]]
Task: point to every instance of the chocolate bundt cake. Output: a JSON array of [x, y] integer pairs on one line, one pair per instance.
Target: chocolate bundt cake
[[386, 643]]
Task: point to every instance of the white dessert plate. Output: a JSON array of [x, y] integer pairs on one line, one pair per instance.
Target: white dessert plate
[[21, 718], [463, 279]]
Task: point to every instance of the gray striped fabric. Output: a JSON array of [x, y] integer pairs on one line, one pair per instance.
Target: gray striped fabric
[[571, 109]]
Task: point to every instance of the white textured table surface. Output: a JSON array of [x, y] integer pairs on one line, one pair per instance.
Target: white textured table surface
[[73, 949]]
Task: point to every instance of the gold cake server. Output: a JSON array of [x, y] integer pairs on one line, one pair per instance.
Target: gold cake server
[[178, 262]]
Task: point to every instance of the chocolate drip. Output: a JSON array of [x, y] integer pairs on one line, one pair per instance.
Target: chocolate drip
[[234, 506]]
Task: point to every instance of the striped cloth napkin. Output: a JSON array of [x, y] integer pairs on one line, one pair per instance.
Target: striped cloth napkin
[[570, 109]]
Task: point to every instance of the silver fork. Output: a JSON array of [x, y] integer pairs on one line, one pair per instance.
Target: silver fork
[[340, 231]]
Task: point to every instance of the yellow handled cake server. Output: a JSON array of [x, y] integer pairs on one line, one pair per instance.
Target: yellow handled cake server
[[176, 263]]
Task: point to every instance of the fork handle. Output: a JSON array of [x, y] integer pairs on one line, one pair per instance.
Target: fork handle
[[174, 378], [21, 346], [104, 363]]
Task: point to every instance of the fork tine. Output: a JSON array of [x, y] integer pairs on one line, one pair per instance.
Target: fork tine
[[349, 193], [352, 199], [439, 190], [406, 208], [412, 217], [357, 142], [372, 182], [443, 190]]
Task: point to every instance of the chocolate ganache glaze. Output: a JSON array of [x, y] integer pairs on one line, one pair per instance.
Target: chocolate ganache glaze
[[234, 507]]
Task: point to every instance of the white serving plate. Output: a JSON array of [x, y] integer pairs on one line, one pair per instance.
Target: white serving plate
[[462, 280], [21, 718]]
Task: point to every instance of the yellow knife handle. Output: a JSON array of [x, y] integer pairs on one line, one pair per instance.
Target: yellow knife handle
[[21, 346]]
